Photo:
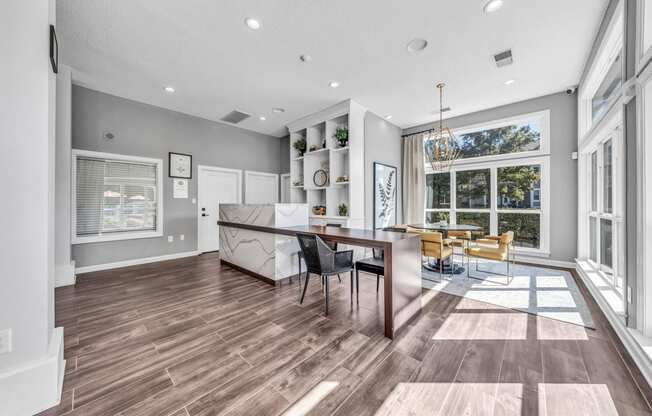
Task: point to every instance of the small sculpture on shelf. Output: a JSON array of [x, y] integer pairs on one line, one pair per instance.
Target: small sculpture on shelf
[[343, 210], [300, 146], [312, 148], [319, 210], [342, 136], [342, 179]]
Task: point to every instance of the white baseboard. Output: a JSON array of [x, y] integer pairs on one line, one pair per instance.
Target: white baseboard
[[632, 339], [65, 275], [35, 386], [134, 262], [546, 262]]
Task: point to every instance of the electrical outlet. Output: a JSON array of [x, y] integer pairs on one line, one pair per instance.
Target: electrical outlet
[[629, 294], [170, 238], [5, 341], [182, 237], [194, 201]]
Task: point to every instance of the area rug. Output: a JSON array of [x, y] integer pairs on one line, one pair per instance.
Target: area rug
[[537, 290]]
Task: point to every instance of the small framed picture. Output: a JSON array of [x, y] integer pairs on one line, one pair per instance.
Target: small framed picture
[[180, 166], [54, 50]]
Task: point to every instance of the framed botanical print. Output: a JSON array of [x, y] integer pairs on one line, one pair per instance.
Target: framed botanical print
[[385, 202], [180, 166]]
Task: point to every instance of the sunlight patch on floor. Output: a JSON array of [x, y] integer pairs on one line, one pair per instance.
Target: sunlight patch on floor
[[428, 399], [575, 399], [550, 282], [311, 399], [483, 326], [555, 299]]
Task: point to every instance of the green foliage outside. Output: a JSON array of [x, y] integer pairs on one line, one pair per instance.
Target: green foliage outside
[[501, 140], [526, 228]]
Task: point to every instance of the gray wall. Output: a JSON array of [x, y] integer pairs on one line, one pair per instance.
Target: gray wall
[[382, 144], [145, 130], [284, 149], [563, 175]]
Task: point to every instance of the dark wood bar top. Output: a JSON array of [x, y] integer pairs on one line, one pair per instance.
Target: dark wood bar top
[[402, 264], [344, 235]]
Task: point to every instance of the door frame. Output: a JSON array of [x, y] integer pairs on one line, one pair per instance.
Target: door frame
[[207, 168], [280, 187]]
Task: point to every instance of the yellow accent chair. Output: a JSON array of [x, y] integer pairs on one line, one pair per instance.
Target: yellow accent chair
[[434, 245], [497, 248]]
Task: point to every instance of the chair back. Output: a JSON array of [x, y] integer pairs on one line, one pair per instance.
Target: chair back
[[378, 253], [316, 253], [506, 238], [432, 237], [466, 235]]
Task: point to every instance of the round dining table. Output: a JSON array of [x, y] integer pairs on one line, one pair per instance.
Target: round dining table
[[448, 267]]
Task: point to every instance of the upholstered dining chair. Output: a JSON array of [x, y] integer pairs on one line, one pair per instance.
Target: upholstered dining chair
[[322, 260], [374, 265], [433, 246], [498, 248]]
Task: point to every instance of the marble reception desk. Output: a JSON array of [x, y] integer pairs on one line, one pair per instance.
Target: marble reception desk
[[270, 257]]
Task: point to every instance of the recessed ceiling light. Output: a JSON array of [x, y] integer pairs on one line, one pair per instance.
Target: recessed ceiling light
[[278, 110], [493, 6], [334, 84], [509, 82], [262, 118], [169, 89], [252, 23], [416, 45], [388, 117]]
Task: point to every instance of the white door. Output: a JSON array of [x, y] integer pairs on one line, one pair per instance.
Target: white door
[[285, 188], [215, 186], [261, 187]]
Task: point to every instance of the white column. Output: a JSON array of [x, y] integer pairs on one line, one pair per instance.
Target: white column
[[32, 371], [65, 267]]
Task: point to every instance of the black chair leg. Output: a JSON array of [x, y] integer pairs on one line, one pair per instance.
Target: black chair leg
[[377, 282], [339, 278], [305, 287], [326, 284], [351, 285], [357, 285]]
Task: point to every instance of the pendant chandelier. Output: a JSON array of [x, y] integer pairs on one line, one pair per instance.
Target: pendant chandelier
[[441, 147]]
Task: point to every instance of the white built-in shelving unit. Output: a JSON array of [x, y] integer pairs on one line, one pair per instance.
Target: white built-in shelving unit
[[319, 130]]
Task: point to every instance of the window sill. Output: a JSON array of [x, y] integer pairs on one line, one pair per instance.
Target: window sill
[[117, 237], [610, 296]]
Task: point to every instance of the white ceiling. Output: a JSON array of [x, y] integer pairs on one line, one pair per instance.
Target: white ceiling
[[133, 48]]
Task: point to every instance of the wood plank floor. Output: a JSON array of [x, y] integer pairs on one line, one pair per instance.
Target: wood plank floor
[[191, 338]]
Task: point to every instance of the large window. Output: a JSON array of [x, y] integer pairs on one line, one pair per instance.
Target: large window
[[497, 197], [116, 197], [515, 137], [605, 226], [499, 182], [608, 89]]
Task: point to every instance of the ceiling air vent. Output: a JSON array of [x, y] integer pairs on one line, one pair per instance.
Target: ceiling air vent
[[503, 58], [235, 116]]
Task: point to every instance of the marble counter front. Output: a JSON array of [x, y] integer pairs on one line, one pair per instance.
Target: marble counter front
[[267, 255]]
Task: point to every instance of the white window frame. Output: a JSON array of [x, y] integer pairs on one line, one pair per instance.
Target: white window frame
[[610, 274], [120, 235], [544, 144], [493, 210], [643, 34], [612, 44]]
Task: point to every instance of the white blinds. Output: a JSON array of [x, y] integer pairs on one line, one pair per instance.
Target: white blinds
[[115, 196]]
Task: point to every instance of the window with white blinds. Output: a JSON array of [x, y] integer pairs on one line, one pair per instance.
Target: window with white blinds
[[116, 197]]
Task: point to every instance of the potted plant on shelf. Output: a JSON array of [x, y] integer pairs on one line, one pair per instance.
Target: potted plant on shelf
[[342, 136], [343, 210], [300, 146]]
